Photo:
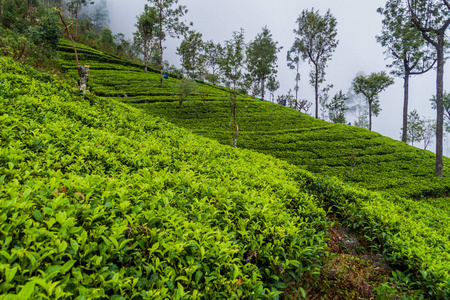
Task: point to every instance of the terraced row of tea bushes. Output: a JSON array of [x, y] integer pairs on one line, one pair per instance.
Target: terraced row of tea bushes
[[323, 148], [111, 76], [101, 201], [413, 235], [93, 57]]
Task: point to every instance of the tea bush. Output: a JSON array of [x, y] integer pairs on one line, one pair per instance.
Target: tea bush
[[412, 234], [99, 200]]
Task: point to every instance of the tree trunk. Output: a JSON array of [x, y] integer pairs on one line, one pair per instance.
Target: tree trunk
[[405, 106], [160, 44], [234, 117], [440, 107], [370, 115], [76, 19], [28, 9], [297, 87], [161, 61], [145, 54], [262, 88], [316, 87]]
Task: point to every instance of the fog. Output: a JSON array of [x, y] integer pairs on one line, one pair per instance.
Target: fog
[[358, 51]]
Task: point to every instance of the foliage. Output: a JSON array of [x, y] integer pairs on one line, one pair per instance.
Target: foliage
[[146, 28], [213, 56], [262, 57], [415, 131], [406, 48], [429, 132], [432, 18], [192, 55], [99, 200], [232, 68], [272, 85], [169, 24], [316, 39], [446, 103], [411, 233], [370, 86], [337, 107], [293, 57], [184, 90], [31, 41]]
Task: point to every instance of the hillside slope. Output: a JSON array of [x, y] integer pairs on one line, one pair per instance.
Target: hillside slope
[[324, 148], [100, 200]]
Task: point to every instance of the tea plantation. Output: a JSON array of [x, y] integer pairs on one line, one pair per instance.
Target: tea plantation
[[102, 200], [99, 200], [323, 148]]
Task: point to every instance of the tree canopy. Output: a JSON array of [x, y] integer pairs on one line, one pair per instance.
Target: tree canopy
[[262, 57], [316, 38], [407, 51], [370, 86]]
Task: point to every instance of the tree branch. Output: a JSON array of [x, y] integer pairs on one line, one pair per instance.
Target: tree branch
[[424, 71]]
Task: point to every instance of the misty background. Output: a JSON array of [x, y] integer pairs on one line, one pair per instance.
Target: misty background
[[357, 52]]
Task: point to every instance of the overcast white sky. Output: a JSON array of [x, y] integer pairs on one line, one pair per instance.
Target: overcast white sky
[[358, 24]]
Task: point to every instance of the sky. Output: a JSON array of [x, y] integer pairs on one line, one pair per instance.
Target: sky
[[358, 23]]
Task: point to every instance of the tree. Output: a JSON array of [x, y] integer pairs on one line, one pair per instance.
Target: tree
[[232, 65], [184, 90], [45, 36], [272, 85], [169, 24], [146, 27], [316, 37], [406, 48], [293, 62], [323, 100], [337, 107], [262, 57], [415, 128], [370, 86], [213, 55], [432, 18], [107, 39], [192, 55]]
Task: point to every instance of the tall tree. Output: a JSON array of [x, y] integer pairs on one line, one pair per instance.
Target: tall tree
[[293, 62], [192, 54], [262, 57], [370, 86], [169, 23], [146, 28], [316, 36], [213, 55], [232, 65], [406, 48], [432, 18]]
